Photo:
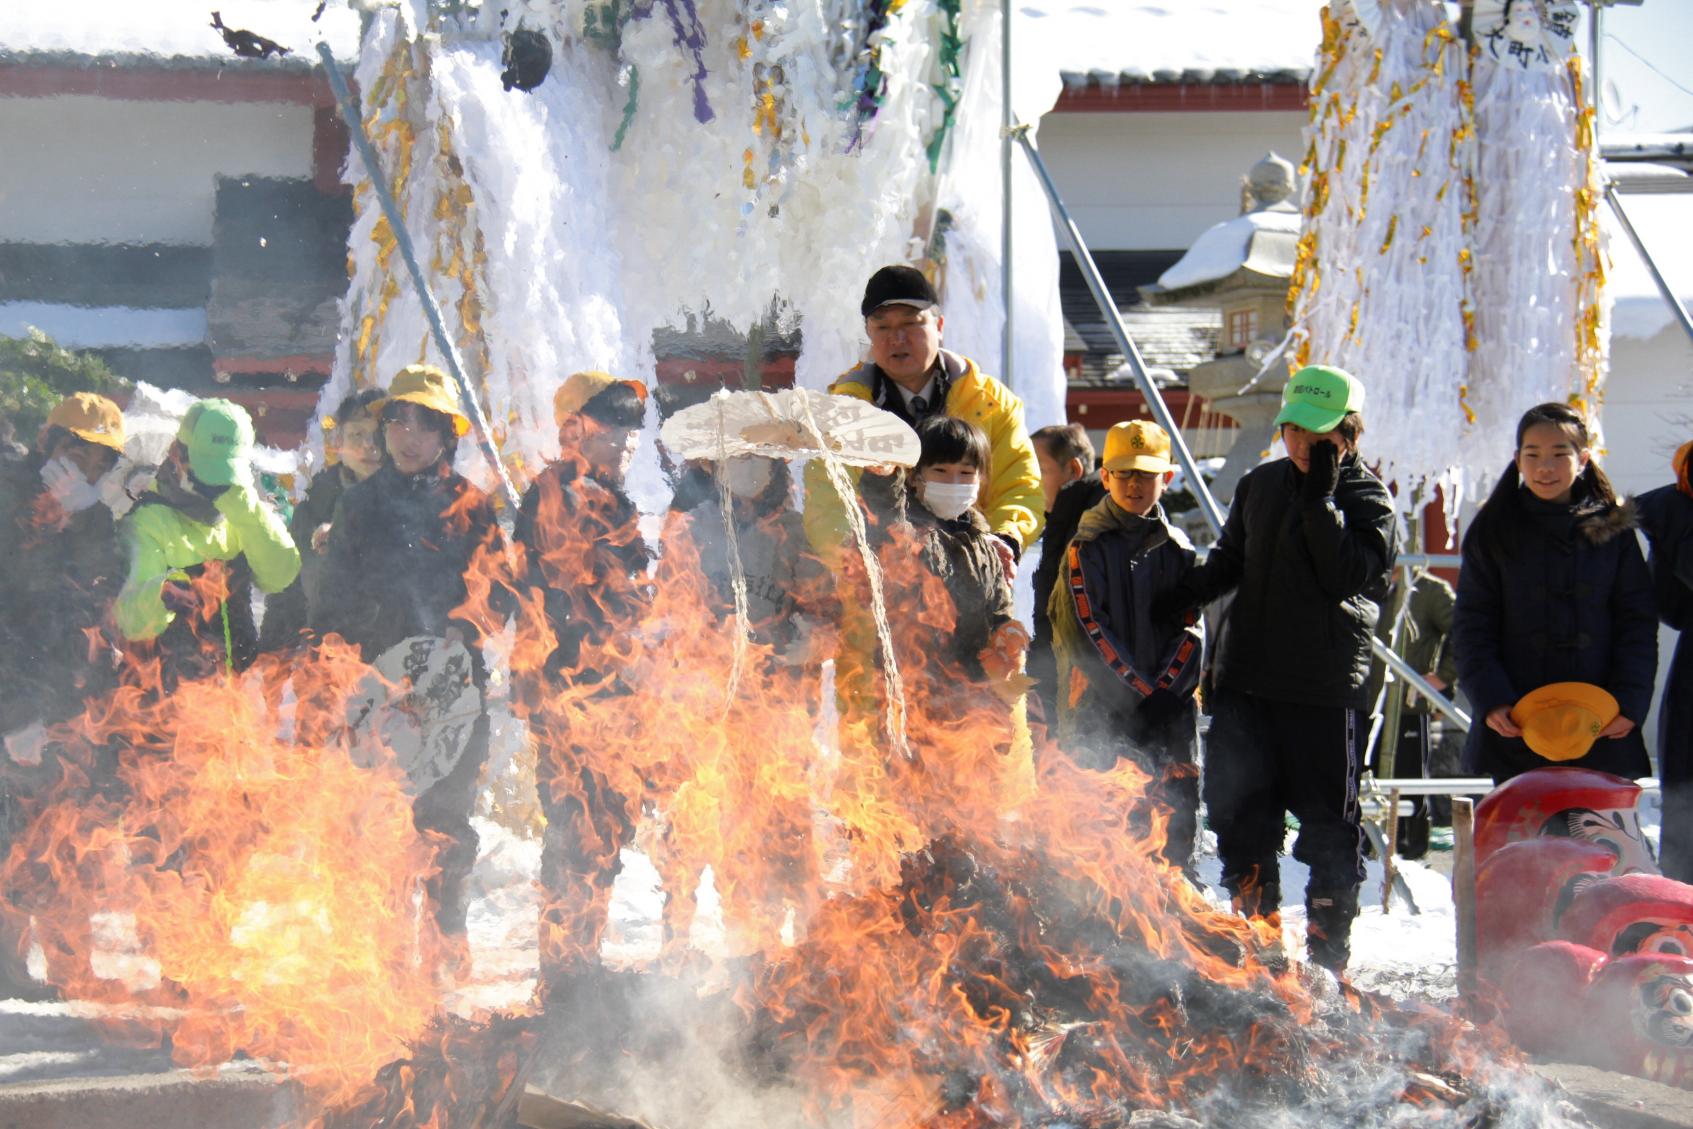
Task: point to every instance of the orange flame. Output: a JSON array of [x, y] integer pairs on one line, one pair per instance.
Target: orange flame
[[269, 886]]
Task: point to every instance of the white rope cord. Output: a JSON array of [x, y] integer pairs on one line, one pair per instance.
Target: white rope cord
[[737, 574], [894, 716]]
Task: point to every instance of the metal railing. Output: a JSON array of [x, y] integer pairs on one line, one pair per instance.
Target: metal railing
[[1208, 507]]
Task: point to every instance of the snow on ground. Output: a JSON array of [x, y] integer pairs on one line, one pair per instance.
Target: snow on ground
[[179, 29], [1116, 40]]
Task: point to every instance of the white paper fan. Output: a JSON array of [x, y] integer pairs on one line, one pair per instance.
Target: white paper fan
[[777, 425]]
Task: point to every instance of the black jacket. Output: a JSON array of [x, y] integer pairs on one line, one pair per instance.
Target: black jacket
[[1074, 499], [286, 612], [397, 556], [585, 556], [1309, 579], [1666, 517], [58, 577], [1554, 593]]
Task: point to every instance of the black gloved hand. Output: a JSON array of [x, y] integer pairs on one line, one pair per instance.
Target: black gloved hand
[[1173, 603], [1324, 474]]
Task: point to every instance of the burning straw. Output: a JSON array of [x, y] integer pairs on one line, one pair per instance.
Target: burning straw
[[267, 885], [974, 935]]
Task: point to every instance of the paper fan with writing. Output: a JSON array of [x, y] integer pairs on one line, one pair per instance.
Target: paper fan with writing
[[788, 424], [418, 708]]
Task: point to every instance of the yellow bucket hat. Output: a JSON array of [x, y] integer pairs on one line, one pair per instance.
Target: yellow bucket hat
[[89, 417], [1561, 720], [429, 387]]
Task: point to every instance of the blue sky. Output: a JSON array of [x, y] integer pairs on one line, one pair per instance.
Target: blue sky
[[1659, 32]]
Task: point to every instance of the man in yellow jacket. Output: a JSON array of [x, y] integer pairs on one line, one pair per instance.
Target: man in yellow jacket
[[910, 375]]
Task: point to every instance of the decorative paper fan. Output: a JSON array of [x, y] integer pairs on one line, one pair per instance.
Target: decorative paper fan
[[419, 708], [1530, 33], [775, 424]]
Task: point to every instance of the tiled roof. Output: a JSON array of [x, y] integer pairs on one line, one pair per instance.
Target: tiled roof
[[1168, 337]]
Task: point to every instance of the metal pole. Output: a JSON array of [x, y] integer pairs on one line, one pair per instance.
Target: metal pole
[[1208, 507], [1651, 264], [1596, 14], [1007, 115], [431, 310]]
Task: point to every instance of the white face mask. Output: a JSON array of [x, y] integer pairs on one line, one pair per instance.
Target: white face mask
[[748, 477], [947, 500]]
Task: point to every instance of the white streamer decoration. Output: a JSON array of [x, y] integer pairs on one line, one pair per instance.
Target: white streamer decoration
[[1450, 252], [698, 156], [1380, 275], [1542, 329]]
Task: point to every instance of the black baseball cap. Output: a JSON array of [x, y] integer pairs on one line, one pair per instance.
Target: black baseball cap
[[898, 286]]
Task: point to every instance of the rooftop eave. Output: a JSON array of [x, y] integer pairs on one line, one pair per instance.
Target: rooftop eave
[[1085, 94]]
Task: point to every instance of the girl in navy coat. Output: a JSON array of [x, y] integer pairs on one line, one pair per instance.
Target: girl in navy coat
[[1554, 589]]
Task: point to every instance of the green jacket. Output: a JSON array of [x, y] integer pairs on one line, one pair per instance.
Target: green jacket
[[164, 544], [1425, 638]]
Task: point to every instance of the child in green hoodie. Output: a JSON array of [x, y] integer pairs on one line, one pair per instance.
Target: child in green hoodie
[[1127, 676], [197, 543]]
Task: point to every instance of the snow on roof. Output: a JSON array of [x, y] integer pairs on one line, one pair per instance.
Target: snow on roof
[[1117, 41], [173, 30], [105, 327], [1229, 246], [1663, 222]]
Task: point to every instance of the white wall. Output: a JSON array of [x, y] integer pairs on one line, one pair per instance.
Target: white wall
[[85, 170], [1155, 181]]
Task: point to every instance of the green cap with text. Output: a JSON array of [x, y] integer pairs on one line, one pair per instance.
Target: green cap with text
[[1317, 397], [219, 438]]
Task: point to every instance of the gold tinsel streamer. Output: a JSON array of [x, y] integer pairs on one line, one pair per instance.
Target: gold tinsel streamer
[[1590, 265]]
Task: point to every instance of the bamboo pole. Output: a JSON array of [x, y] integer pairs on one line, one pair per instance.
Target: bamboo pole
[[1463, 894], [1388, 870]]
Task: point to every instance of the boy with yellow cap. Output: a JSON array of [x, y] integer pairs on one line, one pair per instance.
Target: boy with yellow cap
[[1307, 551], [1127, 672], [400, 544], [62, 565], [58, 575], [198, 542], [585, 558]]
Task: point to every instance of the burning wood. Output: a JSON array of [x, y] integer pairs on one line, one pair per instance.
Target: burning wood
[[959, 934]]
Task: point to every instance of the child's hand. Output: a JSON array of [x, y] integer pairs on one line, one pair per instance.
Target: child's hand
[[1007, 558], [1500, 722], [1620, 727], [1003, 656]]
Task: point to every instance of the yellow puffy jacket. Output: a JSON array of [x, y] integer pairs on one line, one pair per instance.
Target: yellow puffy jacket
[[1011, 500]]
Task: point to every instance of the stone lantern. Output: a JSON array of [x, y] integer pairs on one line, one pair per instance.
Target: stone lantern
[[1242, 266]]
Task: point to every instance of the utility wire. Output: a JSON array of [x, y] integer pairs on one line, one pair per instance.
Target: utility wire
[[1649, 64]]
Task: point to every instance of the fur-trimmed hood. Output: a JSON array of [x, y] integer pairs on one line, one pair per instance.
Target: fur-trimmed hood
[[1599, 521]]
